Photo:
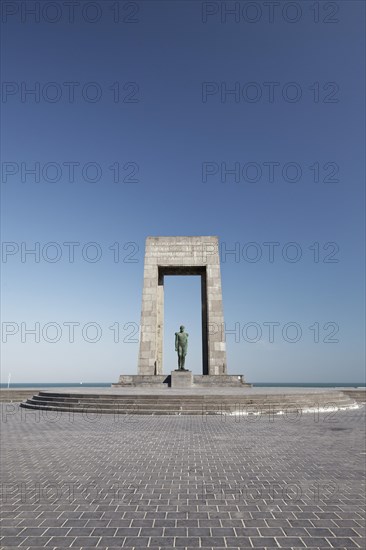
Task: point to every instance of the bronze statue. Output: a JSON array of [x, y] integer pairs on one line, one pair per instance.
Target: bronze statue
[[181, 346]]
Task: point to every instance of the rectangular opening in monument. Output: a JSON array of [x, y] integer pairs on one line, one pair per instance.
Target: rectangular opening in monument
[[183, 305]]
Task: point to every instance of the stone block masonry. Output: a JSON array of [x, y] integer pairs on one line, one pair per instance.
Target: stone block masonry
[[181, 256]]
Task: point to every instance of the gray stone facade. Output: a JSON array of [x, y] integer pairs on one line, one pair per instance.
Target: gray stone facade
[[182, 256]]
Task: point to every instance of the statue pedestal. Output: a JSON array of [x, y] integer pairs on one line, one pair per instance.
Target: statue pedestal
[[181, 379]]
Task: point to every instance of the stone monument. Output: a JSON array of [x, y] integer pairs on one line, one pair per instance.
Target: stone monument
[[166, 256], [182, 256]]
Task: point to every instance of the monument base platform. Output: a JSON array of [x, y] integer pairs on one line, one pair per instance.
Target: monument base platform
[[229, 401], [198, 380], [181, 379]]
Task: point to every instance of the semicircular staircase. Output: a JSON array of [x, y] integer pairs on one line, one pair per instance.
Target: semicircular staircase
[[191, 404]]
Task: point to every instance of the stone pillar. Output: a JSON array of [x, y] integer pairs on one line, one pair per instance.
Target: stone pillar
[[148, 325], [182, 256], [160, 327], [215, 317]]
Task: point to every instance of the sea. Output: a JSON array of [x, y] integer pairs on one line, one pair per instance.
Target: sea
[[26, 385]]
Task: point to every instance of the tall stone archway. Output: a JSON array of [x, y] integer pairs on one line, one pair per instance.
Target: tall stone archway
[[182, 256]]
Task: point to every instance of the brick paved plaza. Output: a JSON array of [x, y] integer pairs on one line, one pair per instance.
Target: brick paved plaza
[[72, 480]]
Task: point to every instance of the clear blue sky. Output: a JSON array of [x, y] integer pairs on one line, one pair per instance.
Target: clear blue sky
[[149, 97]]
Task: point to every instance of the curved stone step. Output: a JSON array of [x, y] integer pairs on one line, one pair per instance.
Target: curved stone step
[[187, 403], [132, 400], [161, 412], [190, 404]]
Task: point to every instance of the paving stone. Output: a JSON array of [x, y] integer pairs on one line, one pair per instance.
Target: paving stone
[[59, 531], [344, 532], [35, 541], [189, 542], [127, 532], [240, 541], [289, 542], [70, 515], [10, 531], [316, 541], [152, 531], [295, 531], [139, 541], [320, 532], [263, 542], [246, 532], [222, 532], [86, 541], [79, 531], [199, 532], [212, 541], [271, 532], [92, 515], [33, 531], [111, 542], [11, 541], [346, 543], [63, 542], [103, 531]]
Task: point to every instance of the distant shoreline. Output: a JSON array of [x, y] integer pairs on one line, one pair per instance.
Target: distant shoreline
[[36, 385]]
